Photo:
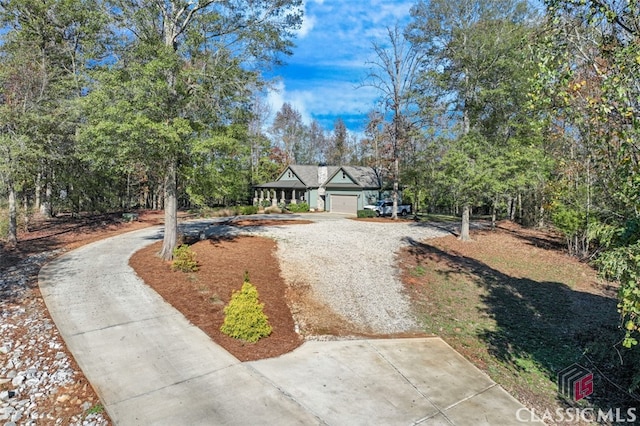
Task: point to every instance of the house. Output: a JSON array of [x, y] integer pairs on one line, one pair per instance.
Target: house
[[338, 189]]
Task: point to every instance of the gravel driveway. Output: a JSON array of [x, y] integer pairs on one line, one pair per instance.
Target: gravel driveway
[[351, 266]]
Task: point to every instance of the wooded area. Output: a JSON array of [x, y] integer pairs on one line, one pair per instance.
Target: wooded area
[[520, 112]]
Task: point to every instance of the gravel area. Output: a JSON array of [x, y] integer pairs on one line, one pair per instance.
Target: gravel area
[[350, 266], [38, 379]]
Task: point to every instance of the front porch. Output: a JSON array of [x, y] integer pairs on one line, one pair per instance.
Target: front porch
[[283, 193]]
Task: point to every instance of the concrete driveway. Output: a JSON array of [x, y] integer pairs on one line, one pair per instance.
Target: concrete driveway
[[150, 366]]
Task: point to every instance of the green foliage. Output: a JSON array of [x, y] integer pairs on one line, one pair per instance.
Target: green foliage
[[96, 409], [298, 208], [265, 203], [418, 271], [623, 265], [4, 224], [248, 210], [620, 261], [366, 213], [221, 168], [568, 220], [244, 316], [599, 105], [184, 259]]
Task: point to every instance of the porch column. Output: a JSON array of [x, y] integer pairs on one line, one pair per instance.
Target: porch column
[[293, 198], [282, 196], [274, 199], [255, 197]]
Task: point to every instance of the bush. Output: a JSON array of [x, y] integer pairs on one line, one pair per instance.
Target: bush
[[298, 208], [184, 259], [247, 210], [366, 213], [273, 209], [244, 318]]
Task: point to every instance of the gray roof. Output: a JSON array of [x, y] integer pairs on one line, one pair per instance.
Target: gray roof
[[282, 184], [309, 174], [364, 177]]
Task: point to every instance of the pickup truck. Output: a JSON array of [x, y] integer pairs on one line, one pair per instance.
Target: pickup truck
[[385, 208]]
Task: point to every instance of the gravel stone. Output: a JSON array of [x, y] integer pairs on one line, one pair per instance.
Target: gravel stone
[[351, 266], [31, 357]]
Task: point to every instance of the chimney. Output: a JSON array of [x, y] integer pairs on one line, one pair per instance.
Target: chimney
[[323, 174]]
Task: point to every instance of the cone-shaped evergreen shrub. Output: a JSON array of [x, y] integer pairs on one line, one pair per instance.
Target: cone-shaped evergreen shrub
[[244, 318]]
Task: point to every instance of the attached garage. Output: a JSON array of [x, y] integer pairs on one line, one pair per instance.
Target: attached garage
[[346, 204]]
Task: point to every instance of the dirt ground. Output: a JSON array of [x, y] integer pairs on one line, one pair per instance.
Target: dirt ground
[[202, 295]]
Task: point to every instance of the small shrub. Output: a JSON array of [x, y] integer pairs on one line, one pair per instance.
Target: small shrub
[[244, 317], [184, 259], [366, 213], [130, 217], [298, 208], [247, 210], [265, 203]]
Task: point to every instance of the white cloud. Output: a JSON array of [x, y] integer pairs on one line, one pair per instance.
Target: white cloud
[[298, 99], [333, 53], [325, 102], [308, 23], [308, 20]]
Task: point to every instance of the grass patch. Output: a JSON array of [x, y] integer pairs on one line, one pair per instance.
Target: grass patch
[[418, 271], [96, 409], [520, 309]]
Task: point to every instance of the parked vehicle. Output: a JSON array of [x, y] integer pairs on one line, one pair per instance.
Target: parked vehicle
[[385, 208]]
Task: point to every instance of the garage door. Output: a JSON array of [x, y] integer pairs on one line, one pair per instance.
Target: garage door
[[347, 204]]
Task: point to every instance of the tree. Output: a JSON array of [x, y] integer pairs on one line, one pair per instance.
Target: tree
[[184, 67], [260, 143], [339, 150], [471, 52], [320, 143], [44, 52], [393, 73], [589, 67], [289, 132]]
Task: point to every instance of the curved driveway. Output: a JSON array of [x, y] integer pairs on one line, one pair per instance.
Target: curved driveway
[[150, 366]]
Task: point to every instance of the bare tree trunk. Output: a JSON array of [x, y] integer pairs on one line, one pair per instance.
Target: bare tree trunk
[[394, 212], [13, 221], [25, 208], [170, 213], [511, 209], [45, 205], [541, 214], [494, 208], [38, 192], [464, 228]]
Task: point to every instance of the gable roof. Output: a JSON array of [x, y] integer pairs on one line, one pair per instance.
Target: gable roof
[[307, 175], [366, 177]]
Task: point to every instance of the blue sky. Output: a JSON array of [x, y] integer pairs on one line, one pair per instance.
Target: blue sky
[[333, 47]]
